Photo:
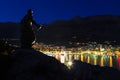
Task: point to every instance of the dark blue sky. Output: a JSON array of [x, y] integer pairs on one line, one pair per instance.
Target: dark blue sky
[[46, 11]]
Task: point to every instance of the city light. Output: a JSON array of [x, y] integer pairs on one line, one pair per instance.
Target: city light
[[70, 63], [92, 53]]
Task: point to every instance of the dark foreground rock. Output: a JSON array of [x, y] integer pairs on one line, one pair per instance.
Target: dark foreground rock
[[83, 71], [29, 64]]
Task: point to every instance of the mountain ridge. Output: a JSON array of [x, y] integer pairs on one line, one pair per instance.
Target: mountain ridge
[[92, 28]]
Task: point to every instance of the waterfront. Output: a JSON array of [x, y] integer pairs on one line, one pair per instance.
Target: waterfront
[[103, 55], [102, 60]]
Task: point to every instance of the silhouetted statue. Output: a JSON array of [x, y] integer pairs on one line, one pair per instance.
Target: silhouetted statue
[[27, 33]]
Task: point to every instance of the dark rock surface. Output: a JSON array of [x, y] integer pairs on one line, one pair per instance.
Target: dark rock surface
[[83, 71], [29, 64]]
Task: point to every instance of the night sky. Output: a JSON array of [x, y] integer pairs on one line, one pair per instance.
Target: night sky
[[46, 11]]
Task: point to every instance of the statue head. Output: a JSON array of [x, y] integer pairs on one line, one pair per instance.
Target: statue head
[[30, 11]]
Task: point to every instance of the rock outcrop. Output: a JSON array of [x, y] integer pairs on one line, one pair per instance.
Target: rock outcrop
[[29, 64]]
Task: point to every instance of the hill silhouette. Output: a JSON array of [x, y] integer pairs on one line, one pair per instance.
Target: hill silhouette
[[93, 28], [9, 30]]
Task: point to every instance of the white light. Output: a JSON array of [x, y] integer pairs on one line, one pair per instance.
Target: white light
[[69, 63]]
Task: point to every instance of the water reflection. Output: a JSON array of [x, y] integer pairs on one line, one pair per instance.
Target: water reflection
[[102, 60]]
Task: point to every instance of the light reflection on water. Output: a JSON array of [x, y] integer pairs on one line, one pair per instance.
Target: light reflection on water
[[102, 60]]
